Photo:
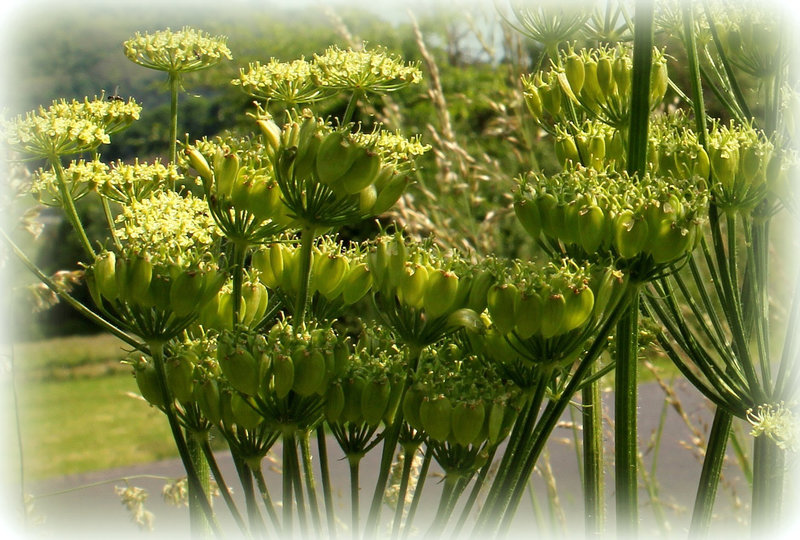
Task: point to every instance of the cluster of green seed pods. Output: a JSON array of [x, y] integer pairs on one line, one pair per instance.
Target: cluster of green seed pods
[[459, 399], [744, 166], [609, 211], [364, 175], [598, 81], [419, 276], [751, 39], [136, 281], [240, 187], [593, 144], [218, 312], [369, 390]]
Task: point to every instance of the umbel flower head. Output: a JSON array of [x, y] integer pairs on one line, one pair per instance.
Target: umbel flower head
[[373, 71], [60, 130], [81, 177], [292, 82], [168, 228], [777, 422], [128, 182], [177, 52]]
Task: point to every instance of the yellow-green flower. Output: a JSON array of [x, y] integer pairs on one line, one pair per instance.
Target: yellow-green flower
[[59, 130], [289, 82], [81, 177], [113, 115], [169, 228], [177, 52], [367, 70], [127, 182]]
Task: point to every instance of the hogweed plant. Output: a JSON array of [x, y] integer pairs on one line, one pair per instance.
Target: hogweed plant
[[251, 319]]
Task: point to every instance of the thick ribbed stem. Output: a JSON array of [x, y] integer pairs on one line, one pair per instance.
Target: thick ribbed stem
[[593, 457], [198, 522], [327, 493], [709, 477], [306, 245], [768, 472]]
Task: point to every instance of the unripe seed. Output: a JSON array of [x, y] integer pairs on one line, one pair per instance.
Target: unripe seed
[[104, 273], [503, 303], [374, 400], [243, 412], [241, 369], [353, 390], [529, 316], [356, 283], [226, 175], [440, 293], [362, 173], [184, 292], [334, 157], [575, 73], [630, 234], [411, 405], [436, 416], [467, 422], [282, 375], [206, 394], [334, 403], [147, 381], [554, 310], [309, 372], [578, 308]]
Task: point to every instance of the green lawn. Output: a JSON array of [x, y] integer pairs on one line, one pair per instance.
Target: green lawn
[[80, 410]]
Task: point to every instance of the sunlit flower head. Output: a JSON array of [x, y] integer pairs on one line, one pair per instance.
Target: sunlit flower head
[[177, 52], [392, 146], [113, 115], [289, 82], [367, 70], [170, 228], [81, 177], [776, 422], [127, 182]]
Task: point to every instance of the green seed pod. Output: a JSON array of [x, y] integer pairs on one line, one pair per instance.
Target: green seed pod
[[329, 272], [701, 166], [179, 372], [673, 242], [534, 102], [138, 274], [260, 262], [363, 171], [597, 151], [436, 416], [751, 163], [263, 200], [397, 253], [591, 91], [282, 375], [724, 164], [271, 131], [341, 358], [528, 215], [378, 263], [199, 163], [605, 78], [479, 291], [334, 403], [244, 413], [411, 290], [575, 72], [353, 390], [208, 314], [554, 309], [158, 293], [630, 234], [226, 175], [375, 399], [147, 381], [566, 151], [276, 252], [206, 394], [568, 232], [411, 404], [503, 303], [622, 75], [468, 421], [390, 193], [549, 214], [394, 402], [225, 311], [253, 300], [385, 175], [240, 368], [578, 308], [495, 422], [551, 99], [240, 192], [185, 291], [228, 420], [309, 371], [659, 82], [104, 274], [529, 315], [465, 318], [592, 228], [94, 291], [367, 198], [440, 293], [307, 149], [334, 157], [356, 283]]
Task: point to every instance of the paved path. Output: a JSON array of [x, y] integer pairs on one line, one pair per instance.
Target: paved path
[[96, 512]]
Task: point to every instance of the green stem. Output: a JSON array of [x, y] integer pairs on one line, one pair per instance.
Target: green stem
[[768, 472], [327, 493], [157, 353], [79, 307], [389, 446], [423, 475], [198, 522], [625, 420], [239, 254], [110, 221], [246, 479], [288, 448], [311, 487], [640, 100], [709, 477], [694, 72], [408, 458], [440, 518], [351, 108], [592, 457], [266, 499], [306, 245], [223, 487], [174, 84], [473, 496], [354, 461], [69, 206]]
